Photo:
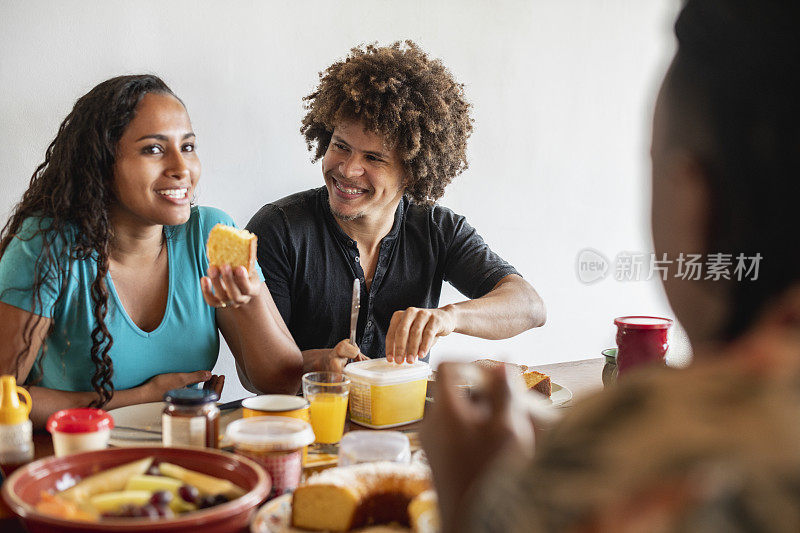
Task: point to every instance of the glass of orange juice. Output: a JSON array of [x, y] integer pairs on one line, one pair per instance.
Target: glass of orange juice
[[327, 394]]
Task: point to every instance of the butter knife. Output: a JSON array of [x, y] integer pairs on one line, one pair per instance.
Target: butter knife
[[355, 305]]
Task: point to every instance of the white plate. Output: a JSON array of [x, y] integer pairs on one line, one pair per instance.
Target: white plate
[[275, 516], [140, 425], [559, 395]]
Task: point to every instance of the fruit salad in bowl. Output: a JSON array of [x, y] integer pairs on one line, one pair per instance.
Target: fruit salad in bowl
[[138, 489]]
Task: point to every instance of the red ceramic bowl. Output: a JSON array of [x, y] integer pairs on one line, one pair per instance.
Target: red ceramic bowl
[[22, 490]]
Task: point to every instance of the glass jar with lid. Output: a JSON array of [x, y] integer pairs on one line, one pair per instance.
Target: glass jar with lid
[[276, 443], [190, 418], [610, 367]]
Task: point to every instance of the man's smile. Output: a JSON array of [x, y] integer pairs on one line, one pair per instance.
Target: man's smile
[[348, 192]]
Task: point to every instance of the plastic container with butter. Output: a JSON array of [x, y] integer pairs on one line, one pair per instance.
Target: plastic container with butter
[[385, 395], [372, 446]]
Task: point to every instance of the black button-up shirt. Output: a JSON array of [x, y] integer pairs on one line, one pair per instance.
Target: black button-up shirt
[[309, 264]]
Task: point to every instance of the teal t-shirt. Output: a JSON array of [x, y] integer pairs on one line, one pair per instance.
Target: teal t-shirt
[[186, 340]]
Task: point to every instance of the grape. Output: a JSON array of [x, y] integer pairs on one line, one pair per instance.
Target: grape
[[188, 493], [164, 511], [211, 501], [161, 497], [153, 471], [149, 511], [206, 501], [126, 510]]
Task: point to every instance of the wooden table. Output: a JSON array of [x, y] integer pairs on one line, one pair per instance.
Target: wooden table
[[581, 377]]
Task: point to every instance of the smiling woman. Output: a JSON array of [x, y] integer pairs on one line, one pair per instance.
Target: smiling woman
[[156, 167], [103, 297]]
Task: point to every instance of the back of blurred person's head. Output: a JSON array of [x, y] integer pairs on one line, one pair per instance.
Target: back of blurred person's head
[[728, 126], [717, 447]]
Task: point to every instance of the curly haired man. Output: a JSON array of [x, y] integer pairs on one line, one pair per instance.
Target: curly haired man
[[390, 125]]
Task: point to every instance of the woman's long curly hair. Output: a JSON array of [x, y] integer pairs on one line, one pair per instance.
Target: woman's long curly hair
[[72, 190], [411, 100]]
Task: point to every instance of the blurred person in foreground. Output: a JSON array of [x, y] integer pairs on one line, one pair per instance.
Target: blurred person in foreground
[[390, 125], [715, 447]]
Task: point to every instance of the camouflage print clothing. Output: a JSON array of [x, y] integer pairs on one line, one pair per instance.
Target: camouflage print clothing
[[715, 447]]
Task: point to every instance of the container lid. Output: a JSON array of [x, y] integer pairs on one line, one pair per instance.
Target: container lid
[[275, 403], [369, 446], [381, 372], [190, 396], [643, 322], [82, 420], [12, 411], [610, 354], [270, 433]]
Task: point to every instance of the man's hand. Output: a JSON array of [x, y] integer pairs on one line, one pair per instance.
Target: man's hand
[[331, 359], [463, 435], [413, 332]]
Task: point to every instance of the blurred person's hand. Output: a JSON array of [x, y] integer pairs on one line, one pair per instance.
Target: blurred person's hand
[[463, 436]]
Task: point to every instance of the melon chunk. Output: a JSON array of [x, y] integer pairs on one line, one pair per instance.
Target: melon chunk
[[207, 485], [112, 480]]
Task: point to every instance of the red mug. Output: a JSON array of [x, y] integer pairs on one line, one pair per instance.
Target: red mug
[[641, 340]]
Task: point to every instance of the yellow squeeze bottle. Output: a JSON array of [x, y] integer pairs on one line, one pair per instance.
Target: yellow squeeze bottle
[[16, 430]]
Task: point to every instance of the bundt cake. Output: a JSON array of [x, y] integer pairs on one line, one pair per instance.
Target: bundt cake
[[343, 498], [424, 512]]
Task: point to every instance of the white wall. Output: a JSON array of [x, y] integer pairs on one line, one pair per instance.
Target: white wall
[[562, 92]]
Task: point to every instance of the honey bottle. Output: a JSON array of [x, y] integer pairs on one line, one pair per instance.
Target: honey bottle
[[16, 430]]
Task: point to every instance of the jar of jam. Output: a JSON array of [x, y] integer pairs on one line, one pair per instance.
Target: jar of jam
[[641, 340], [276, 443], [610, 367], [190, 418]]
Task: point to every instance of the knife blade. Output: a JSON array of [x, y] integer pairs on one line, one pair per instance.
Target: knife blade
[[355, 305]]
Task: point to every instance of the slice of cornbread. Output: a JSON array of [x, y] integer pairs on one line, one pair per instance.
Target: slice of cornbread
[[538, 382], [533, 379], [231, 246]]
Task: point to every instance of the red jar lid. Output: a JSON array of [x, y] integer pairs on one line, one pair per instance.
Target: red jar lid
[[643, 322], [82, 420]]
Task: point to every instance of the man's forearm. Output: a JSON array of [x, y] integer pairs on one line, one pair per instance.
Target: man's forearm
[[513, 306]]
